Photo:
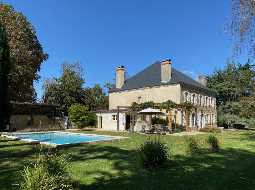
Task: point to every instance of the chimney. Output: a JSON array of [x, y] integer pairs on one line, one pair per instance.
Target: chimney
[[166, 70], [120, 76], [202, 79]]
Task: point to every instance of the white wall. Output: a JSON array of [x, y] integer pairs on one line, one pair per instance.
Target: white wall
[[109, 124], [157, 94]]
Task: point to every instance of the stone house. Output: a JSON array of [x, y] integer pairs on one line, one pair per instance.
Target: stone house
[[159, 82]]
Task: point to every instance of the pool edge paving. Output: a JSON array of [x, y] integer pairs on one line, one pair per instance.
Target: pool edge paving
[[109, 138]]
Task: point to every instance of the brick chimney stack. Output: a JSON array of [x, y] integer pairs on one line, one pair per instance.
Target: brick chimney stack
[[202, 80], [120, 76]]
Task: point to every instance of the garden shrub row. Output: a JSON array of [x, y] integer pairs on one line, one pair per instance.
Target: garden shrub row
[[154, 153]]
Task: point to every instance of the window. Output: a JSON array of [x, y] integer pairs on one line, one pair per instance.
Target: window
[[185, 98], [193, 98], [139, 99], [200, 101], [114, 117]]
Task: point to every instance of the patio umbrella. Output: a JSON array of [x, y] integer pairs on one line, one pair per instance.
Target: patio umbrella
[[150, 112]]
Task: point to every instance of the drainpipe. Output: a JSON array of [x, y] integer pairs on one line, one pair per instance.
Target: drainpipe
[[118, 118]]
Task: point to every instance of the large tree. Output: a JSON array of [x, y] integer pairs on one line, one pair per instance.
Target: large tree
[[95, 98], [67, 89], [4, 71], [232, 82], [235, 90], [25, 51]]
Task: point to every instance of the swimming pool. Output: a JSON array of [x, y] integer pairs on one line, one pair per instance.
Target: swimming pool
[[61, 138]]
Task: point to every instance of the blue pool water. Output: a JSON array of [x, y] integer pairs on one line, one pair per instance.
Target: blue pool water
[[62, 138]]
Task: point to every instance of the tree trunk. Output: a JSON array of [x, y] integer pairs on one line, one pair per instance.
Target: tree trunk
[[4, 65]]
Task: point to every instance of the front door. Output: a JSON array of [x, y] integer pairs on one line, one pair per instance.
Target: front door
[[100, 120]]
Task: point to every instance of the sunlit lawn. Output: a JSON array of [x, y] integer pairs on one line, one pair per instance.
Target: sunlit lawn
[[112, 165]]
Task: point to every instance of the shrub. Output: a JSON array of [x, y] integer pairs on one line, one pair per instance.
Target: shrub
[[193, 146], [152, 153], [210, 130], [238, 126], [47, 173], [157, 120], [213, 143], [80, 115]]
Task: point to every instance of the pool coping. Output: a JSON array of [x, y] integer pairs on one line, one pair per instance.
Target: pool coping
[[33, 141]]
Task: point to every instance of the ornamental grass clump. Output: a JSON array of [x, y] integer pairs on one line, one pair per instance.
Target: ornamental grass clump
[[193, 146], [213, 143], [47, 173], [152, 153]]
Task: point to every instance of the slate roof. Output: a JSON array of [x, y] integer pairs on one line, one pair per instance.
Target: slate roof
[[151, 76]]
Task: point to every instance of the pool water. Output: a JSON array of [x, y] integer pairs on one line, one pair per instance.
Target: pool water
[[62, 138]]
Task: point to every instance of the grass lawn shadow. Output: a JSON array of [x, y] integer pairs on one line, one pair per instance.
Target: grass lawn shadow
[[227, 169]]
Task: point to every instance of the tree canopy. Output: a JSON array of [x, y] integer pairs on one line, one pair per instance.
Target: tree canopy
[[4, 71], [232, 82], [26, 53], [234, 86], [69, 89]]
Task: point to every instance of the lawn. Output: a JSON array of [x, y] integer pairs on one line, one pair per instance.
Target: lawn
[[112, 165]]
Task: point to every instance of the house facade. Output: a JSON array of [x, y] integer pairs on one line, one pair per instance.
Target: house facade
[[159, 83]]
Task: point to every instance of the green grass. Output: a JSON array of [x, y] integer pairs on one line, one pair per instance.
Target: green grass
[[112, 165]]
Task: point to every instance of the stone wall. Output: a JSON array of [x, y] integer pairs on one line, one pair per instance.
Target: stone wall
[[23, 122]]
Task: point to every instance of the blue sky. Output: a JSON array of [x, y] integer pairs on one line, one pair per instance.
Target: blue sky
[[103, 34]]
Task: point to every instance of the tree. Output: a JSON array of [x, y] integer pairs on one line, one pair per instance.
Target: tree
[[66, 90], [4, 71], [95, 98], [81, 116], [234, 86], [26, 53], [232, 82], [242, 25]]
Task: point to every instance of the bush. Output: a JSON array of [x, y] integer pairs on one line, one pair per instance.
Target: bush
[[213, 143], [47, 173], [80, 115], [193, 146], [238, 126], [152, 153], [210, 130], [157, 120]]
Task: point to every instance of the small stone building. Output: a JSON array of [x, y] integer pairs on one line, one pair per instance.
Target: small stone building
[[159, 83], [32, 116]]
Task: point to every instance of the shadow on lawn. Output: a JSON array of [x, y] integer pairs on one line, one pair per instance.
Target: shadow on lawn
[[12, 162], [227, 169]]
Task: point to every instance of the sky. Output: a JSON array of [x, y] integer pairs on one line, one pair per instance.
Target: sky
[[103, 34]]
